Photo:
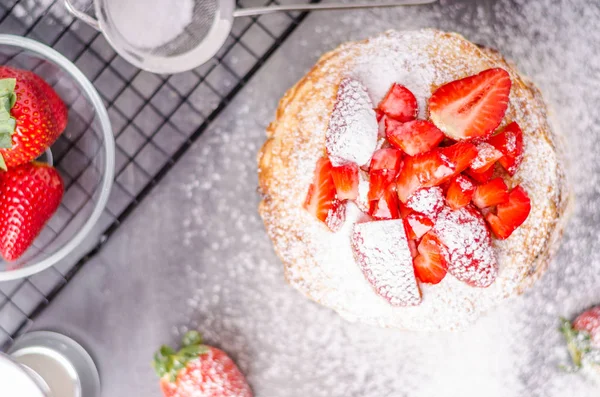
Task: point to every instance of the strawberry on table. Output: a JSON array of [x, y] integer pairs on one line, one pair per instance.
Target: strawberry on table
[[510, 214], [460, 192], [583, 338], [399, 103], [321, 196], [471, 107], [413, 137], [198, 370], [430, 265], [492, 193], [32, 116], [510, 142], [29, 196]]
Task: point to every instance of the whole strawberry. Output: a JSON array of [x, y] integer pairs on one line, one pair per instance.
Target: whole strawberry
[[29, 195], [198, 370], [32, 116], [583, 339]]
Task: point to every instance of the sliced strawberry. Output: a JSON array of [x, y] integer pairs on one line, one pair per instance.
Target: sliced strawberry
[[379, 115], [404, 210], [492, 193], [487, 155], [470, 254], [423, 170], [345, 179], [412, 245], [472, 107], [385, 165], [387, 206], [413, 137], [480, 177], [460, 192], [460, 155], [428, 201], [382, 251], [589, 321], [430, 265], [321, 193], [510, 143], [337, 216], [511, 214], [417, 225], [399, 103]]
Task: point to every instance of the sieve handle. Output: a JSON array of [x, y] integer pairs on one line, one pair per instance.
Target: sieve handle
[[81, 15], [246, 12]]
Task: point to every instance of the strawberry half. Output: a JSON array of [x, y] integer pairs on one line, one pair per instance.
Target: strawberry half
[[511, 214], [487, 155], [460, 192], [321, 193], [198, 370], [510, 143], [417, 225], [345, 179], [492, 193], [423, 170], [413, 137], [471, 107], [460, 155], [385, 165], [430, 265], [399, 103]]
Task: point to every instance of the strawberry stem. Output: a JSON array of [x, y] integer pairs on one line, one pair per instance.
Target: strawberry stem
[[169, 362], [578, 343]]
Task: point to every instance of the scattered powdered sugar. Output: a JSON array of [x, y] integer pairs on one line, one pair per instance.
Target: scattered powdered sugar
[[465, 234], [363, 191], [465, 183], [485, 152], [381, 250], [352, 132], [429, 201]]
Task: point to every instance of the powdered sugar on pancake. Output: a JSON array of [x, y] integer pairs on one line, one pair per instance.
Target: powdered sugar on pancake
[[353, 128]]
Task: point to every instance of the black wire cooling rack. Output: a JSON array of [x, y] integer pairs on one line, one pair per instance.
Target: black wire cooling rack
[[155, 119]]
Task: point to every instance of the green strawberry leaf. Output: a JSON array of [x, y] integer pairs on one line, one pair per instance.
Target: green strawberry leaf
[[5, 140], [578, 343], [168, 362], [7, 101], [191, 338]]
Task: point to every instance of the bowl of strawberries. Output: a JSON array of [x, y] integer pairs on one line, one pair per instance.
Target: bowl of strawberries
[[56, 157]]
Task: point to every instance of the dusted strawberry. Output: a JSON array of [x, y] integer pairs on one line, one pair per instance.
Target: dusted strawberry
[[511, 214], [430, 265], [417, 225], [492, 193], [413, 137], [470, 254], [29, 196], [583, 338], [460, 155], [460, 192], [381, 250], [510, 143], [385, 165], [423, 170], [387, 206], [320, 198], [471, 107], [399, 103], [198, 370], [32, 116], [487, 155], [428, 201], [345, 179], [480, 177]]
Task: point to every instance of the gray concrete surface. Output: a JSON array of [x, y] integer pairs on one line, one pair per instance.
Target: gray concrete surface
[[194, 254]]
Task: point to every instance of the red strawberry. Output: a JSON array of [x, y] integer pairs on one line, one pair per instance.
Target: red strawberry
[[417, 225], [510, 143], [385, 165], [345, 179], [430, 265], [460, 192], [472, 107], [511, 214], [379, 115], [583, 338], [381, 250], [470, 254], [487, 155], [399, 103], [29, 196], [387, 206], [428, 201], [460, 155], [413, 137], [480, 177], [589, 321], [492, 193], [198, 370], [32, 116], [320, 198], [423, 170]]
